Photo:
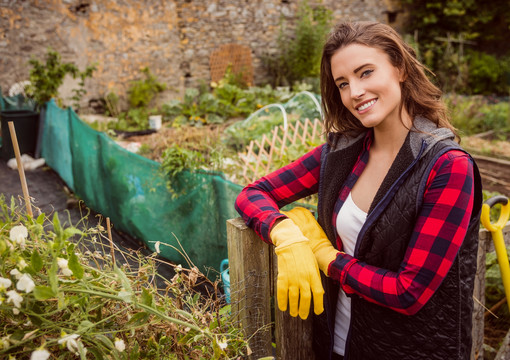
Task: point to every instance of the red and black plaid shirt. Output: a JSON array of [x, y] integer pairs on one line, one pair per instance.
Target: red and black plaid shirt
[[437, 236]]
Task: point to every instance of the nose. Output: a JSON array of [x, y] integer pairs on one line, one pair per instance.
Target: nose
[[357, 90]]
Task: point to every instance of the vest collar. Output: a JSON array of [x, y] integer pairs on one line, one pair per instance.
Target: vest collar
[[425, 131], [422, 132]]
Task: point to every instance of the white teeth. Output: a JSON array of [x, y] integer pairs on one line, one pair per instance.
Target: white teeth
[[367, 105]]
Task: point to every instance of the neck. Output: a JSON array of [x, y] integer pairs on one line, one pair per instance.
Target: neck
[[389, 137]]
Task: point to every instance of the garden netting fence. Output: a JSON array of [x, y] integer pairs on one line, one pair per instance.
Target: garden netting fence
[[131, 190]]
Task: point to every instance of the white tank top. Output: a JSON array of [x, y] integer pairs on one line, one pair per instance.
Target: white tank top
[[349, 222]]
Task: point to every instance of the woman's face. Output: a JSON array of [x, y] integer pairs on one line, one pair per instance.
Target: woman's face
[[369, 84]]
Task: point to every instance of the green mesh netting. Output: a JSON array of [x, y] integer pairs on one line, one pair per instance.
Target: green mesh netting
[[130, 190]]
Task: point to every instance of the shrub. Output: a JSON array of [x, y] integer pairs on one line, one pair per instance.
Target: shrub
[[475, 114], [300, 53], [46, 78], [141, 92], [488, 74]]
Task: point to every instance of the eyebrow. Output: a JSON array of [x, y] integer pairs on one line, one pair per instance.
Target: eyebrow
[[355, 71]]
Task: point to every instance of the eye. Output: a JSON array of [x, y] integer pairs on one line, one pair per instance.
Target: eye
[[366, 73], [342, 85]]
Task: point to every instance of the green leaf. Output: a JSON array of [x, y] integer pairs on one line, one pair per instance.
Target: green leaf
[[43, 293], [123, 279], [97, 354], [85, 326], [40, 219], [75, 266], [139, 319], [82, 351], [146, 297], [225, 310], [105, 341], [52, 275], [58, 231], [56, 224], [36, 261], [70, 231]]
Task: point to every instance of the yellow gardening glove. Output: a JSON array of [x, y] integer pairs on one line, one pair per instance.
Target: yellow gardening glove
[[322, 248], [298, 274]]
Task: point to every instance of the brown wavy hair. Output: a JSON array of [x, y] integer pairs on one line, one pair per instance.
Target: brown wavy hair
[[419, 95]]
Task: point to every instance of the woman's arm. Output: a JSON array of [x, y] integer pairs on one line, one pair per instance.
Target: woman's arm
[[437, 237], [259, 203]]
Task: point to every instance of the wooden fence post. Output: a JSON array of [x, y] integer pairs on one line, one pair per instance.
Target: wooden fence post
[[293, 336], [250, 285], [479, 297]]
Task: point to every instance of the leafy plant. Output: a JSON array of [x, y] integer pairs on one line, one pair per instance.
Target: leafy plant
[[196, 109], [112, 104], [63, 300], [474, 28], [132, 120], [475, 114], [235, 78], [175, 161], [141, 92], [488, 74], [300, 53], [46, 78], [239, 135]]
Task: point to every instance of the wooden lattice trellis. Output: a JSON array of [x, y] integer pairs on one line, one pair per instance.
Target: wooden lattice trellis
[[237, 56], [260, 154]]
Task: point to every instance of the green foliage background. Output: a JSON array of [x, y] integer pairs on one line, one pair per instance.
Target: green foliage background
[[481, 66]]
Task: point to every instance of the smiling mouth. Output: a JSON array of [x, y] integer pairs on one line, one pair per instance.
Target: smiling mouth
[[366, 105]]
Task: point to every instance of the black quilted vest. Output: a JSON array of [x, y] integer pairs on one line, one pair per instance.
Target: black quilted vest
[[442, 328]]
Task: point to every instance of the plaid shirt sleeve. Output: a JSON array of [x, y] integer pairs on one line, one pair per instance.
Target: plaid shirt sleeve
[[437, 236], [259, 203]]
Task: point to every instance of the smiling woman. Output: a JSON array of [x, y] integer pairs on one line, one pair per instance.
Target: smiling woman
[[398, 213]]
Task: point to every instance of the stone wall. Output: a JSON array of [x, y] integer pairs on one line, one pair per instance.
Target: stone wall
[[174, 38]]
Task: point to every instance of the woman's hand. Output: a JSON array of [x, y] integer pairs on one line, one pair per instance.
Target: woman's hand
[[298, 273], [322, 248]]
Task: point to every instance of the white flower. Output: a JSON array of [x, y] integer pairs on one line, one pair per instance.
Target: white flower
[[71, 341], [15, 311], [25, 283], [18, 234], [22, 264], [63, 265], [223, 345], [119, 345], [16, 274], [4, 342], [14, 298], [41, 354], [5, 283]]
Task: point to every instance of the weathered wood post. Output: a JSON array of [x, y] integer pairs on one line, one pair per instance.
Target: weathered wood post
[[293, 336], [250, 285], [479, 296]]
